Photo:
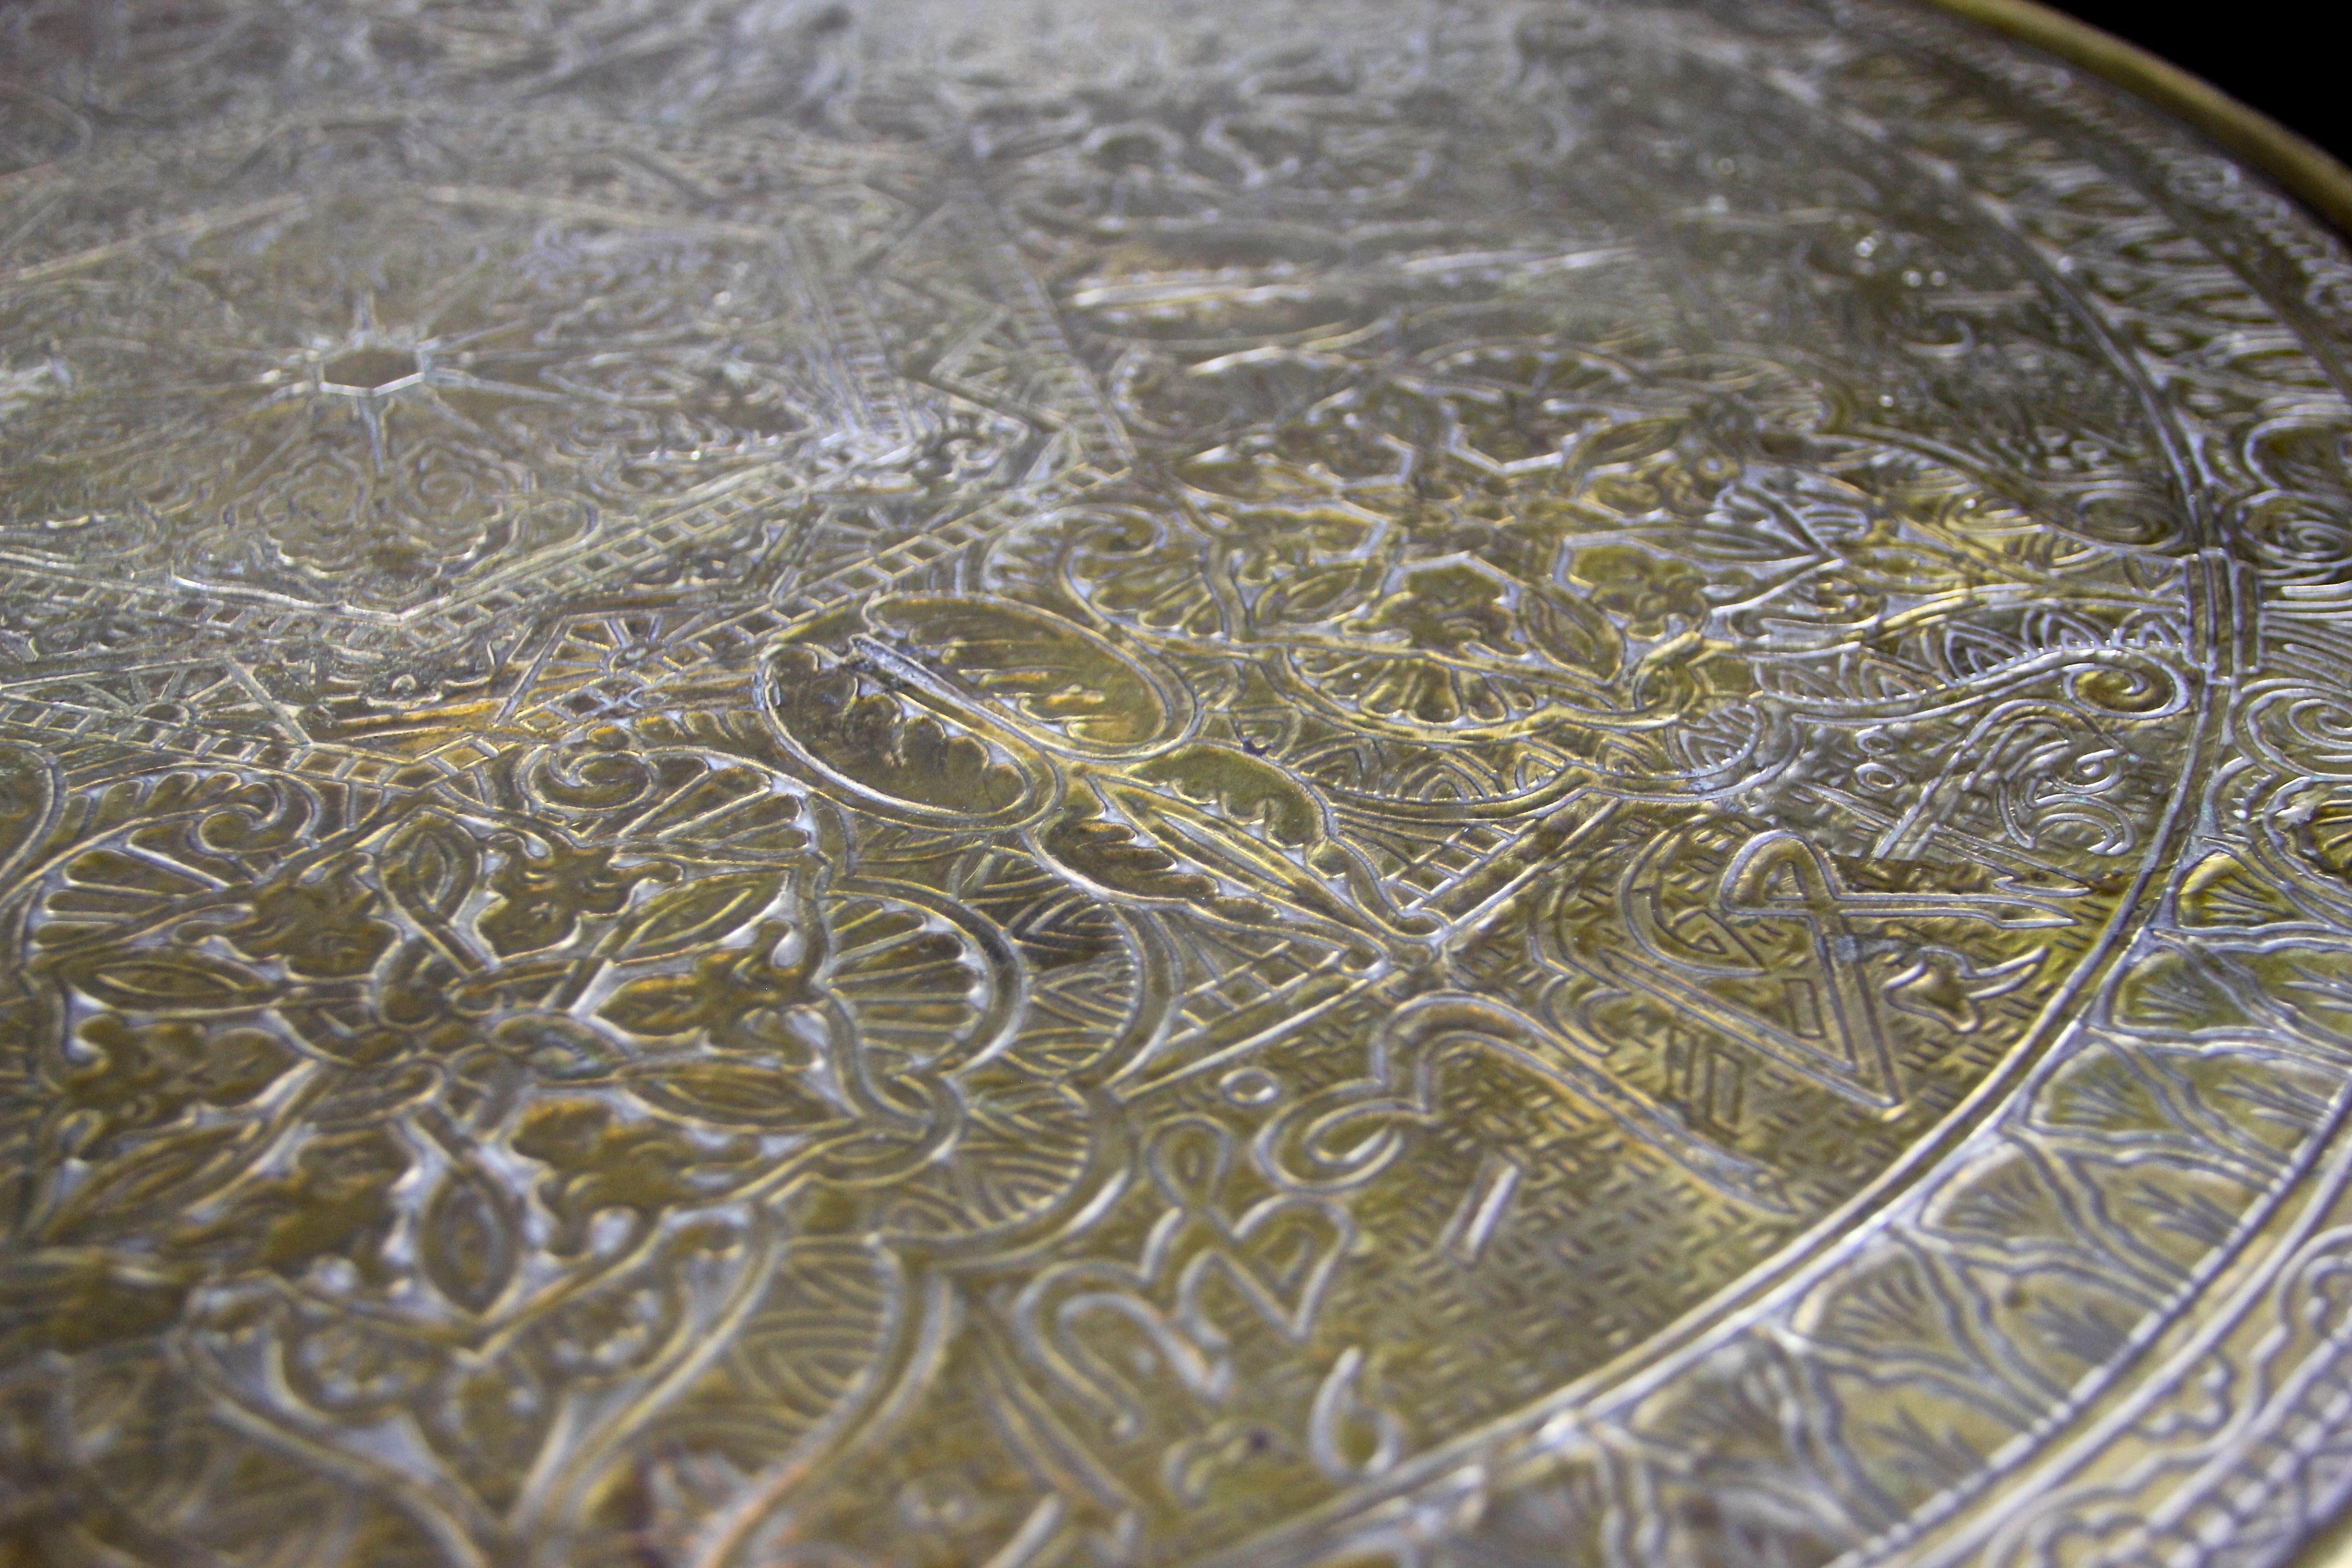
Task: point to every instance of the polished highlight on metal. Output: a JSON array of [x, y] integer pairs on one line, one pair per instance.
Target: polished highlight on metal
[[1096, 782]]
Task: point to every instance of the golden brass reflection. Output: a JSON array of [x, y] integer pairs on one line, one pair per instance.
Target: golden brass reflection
[[1088, 784]]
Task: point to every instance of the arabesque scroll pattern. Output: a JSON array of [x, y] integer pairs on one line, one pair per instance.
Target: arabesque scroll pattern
[[817, 785]]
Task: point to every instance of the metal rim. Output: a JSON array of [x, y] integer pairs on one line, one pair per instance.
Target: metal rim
[[2305, 171], [2297, 165]]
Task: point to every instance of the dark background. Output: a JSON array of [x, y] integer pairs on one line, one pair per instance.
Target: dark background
[[2272, 54]]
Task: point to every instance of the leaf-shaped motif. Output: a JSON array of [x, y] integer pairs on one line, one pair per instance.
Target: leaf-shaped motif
[[120, 1197], [1900, 1307], [1245, 788], [468, 1242], [696, 913], [2103, 1092], [1110, 855], [2174, 990], [731, 805], [28, 800], [1573, 632], [731, 1093], [1630, 441], [1312, 595], [880, 741], [1234, 850], [737, 995], [157, 980], [1051, 672], [103, 886], [2312, 985], [2012, 1201], [914, 989], [1164, 590], [2324, 838], [430, 867]]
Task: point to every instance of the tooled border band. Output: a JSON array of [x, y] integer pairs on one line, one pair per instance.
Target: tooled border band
[[2307, 172], [2302, 170]]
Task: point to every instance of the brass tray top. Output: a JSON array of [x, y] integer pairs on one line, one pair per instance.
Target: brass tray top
[[1055, 784]]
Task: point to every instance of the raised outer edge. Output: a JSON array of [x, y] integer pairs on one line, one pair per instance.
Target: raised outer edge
[[2305, 172], [2303, 169]]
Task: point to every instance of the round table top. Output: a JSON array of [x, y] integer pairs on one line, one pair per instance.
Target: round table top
[[1051, 784]]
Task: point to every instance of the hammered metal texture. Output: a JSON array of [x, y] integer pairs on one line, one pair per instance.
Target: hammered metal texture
[[1087, 783]]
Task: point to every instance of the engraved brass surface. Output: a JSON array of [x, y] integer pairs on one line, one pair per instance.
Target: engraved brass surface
[[1099, 782]]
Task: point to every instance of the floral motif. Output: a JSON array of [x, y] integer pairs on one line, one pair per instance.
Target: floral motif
[[1135, 797]]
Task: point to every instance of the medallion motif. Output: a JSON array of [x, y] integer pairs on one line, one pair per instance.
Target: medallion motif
[[906, 783]]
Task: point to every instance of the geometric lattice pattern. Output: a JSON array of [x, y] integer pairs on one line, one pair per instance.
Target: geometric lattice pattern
[[912, 782]]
